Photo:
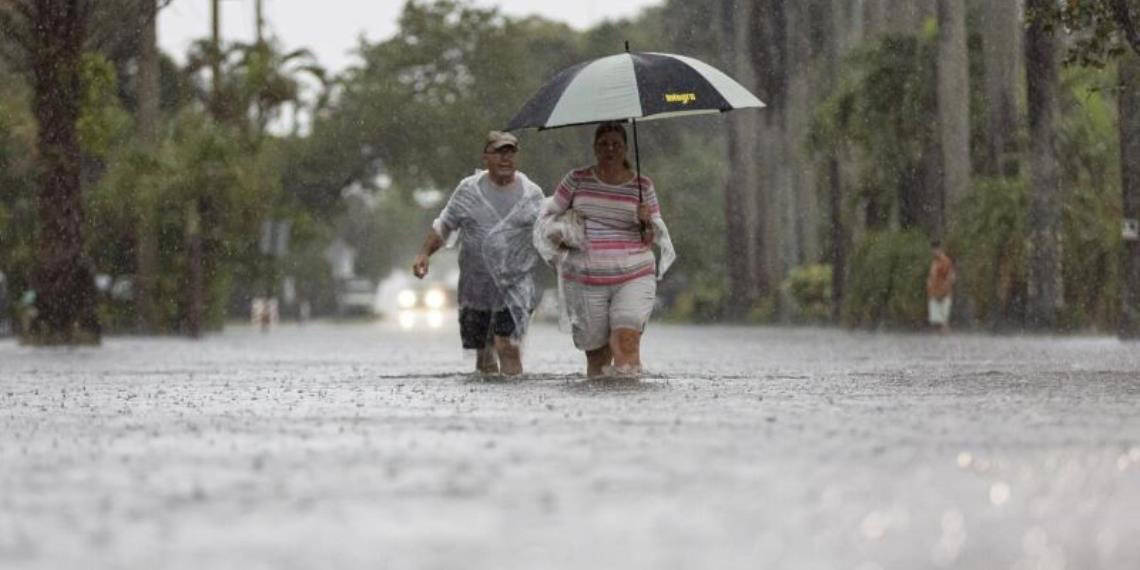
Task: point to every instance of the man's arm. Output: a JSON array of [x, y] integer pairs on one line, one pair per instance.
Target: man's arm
[[432, 243], [441, 228]]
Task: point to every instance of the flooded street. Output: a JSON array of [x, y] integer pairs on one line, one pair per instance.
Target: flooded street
[[365, 446]]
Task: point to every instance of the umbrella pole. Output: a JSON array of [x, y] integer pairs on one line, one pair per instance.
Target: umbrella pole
[[636, 151], [637, 162]]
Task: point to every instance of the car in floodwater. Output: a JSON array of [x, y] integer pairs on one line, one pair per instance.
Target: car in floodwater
[[417, 304], [424, 304]]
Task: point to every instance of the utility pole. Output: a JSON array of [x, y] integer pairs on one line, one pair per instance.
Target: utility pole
[[259, 17], [215, 57]]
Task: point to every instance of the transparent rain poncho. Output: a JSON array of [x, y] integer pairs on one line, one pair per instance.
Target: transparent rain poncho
[[497, 255]]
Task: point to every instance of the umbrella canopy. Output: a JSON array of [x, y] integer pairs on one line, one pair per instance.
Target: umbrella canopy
[[639, 86]]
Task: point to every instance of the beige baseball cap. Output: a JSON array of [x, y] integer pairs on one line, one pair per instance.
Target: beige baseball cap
[[499, 139]]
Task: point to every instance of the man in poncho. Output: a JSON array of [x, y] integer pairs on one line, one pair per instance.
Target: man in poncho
[[494, 211]]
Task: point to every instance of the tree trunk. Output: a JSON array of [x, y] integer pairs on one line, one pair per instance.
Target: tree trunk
[[838, 238], [1045, 288], [767, 50], [1003, 58], [1129, 124], [809, 37], [147, 228], [64, 280], [895, 16], [195, 301], [742, 187], [846, 28], [953, 109], [1001, 47]]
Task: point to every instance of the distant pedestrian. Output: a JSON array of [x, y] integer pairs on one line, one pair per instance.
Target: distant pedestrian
[[940, 287], [494, 211]]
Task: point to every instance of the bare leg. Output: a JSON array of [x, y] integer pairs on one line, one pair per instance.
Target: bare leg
[[597, 360], [626, 347], [485, 361], [510, 358]]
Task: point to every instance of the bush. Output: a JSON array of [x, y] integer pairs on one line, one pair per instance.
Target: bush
[[808, 287], [698, 299], [886, 283]]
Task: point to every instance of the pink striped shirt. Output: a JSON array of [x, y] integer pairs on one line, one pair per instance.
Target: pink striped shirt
[[614, 252]]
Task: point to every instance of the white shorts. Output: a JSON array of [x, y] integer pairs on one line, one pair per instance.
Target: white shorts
[[596, 310], [939, 310]]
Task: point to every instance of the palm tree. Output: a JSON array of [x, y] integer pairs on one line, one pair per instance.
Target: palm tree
[[256, 82], [51, 35]]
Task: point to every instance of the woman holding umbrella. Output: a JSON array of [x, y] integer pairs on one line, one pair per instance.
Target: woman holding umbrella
[[607, 275], [609, 278]]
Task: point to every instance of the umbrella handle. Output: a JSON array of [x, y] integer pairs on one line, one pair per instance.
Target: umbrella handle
[[637, 160]]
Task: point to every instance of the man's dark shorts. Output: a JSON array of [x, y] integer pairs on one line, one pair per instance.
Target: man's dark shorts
[[477, 328]]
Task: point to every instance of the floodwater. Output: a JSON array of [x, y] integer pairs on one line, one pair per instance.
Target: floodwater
[[366, 446]]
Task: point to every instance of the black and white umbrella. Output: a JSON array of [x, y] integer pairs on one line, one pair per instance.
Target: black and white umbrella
[[632, 86]]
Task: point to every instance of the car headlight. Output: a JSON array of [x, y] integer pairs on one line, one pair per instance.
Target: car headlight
[[434, 299], [406, 299]]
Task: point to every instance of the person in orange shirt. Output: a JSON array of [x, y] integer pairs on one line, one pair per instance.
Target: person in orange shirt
[[940, 287]]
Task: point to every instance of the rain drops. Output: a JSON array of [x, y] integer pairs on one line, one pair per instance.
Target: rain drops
[[1133, 456], [1040, 552], [999, 493], [965, 459], [949, 546], [876, 524]]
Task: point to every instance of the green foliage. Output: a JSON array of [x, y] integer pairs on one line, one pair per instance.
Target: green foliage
[[886, 281], [689, 176], [881, 115], [882, 112], [201, 164], [17, 191], [989, 249], [410, 107], [700, 299], [1100, 30], [102, 121], [1089, 152], [809, 288], [990, 224], [307, 265]]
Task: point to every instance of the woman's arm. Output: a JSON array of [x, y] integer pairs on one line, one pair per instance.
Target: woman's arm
[[558, 203], [649, 212]]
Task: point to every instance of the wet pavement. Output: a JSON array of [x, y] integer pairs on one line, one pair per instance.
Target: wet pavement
[[365, 446]]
